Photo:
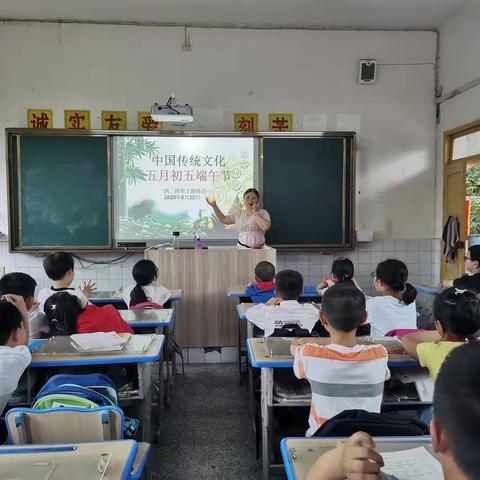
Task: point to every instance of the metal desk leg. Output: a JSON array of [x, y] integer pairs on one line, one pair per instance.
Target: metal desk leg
[[145, 408], [239, 347], [166, 351], [249, 329], [160, 399], [266, 409]]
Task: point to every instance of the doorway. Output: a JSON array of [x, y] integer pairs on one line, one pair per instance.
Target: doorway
[[461, 197]]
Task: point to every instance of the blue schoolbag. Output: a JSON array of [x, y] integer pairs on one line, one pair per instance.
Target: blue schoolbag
[[94, 388]]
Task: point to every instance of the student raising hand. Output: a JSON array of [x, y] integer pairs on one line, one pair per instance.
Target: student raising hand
[[356, 459], [88, 288]]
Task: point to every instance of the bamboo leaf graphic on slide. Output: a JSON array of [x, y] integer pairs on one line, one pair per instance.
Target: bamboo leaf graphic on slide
[[131, 150]]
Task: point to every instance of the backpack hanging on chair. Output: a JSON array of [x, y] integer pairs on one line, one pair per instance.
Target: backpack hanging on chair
[[81, 391]]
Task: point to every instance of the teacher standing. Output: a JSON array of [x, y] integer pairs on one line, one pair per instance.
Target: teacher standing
[[251, 222]]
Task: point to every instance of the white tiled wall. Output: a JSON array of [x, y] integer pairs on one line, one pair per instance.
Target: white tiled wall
[[422, 258]]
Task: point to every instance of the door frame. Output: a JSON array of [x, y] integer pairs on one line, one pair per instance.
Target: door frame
[[448, 139]]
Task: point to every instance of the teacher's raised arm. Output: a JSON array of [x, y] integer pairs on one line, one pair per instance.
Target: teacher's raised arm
[[251, 221]]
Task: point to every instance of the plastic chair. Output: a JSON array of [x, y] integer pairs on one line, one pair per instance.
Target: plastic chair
[[64, 425], [146, 306], [71, 425]]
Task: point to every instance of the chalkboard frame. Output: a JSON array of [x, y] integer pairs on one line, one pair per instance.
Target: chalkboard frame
[[12, 134], [349, 192], [13, 139]]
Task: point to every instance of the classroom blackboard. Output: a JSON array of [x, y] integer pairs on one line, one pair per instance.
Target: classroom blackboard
[[60, 182], [60, 191], [308, 191]]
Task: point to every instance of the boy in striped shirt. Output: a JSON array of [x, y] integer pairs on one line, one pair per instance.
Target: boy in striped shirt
[[343, 375]]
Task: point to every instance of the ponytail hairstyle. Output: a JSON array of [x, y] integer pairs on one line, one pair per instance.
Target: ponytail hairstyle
[[62, 311], [458, 312], [394, 274], [343, 270], [144, 273]]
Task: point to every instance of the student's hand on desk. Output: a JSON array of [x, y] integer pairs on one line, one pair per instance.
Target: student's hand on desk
[[274, 301], [18, 302], [396, 349], [360, 460], [447, 283], [88, 288]]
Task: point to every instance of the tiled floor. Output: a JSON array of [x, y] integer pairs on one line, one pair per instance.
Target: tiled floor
[[207, 433]]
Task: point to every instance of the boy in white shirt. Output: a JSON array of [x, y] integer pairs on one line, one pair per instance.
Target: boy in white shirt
[[60, 268], [284, 309], [14, 353], [343, 374], [18, 283]]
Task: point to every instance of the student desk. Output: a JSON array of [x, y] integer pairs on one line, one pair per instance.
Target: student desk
[[153, 318], [144, 364], [260, 358], [127, 459], [161, 320], [299, 454], [114, 297]]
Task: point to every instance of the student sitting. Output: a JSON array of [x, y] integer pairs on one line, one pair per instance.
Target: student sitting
[[343, 375], [14, 354], [454, 429], [342, 272], [284, 309], [395, 307], [145, 274], [18, 283], [471, 280], [60, 268], [67, 315], [264, 288], [457, 318]]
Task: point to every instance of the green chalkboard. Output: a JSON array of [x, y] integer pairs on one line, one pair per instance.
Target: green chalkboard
[[61, 191], [308, 191]]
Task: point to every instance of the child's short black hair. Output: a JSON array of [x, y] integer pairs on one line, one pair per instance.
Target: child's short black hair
[[57, 265], [456, 405], [344, 307], [264, 272], [18, 283], [343, 269], [474, 251], [458, 311], [10, 320], [289, 284]]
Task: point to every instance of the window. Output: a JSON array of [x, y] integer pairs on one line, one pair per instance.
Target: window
[[466, 146]]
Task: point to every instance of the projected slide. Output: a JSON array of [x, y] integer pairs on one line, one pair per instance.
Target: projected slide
[[161, 184]]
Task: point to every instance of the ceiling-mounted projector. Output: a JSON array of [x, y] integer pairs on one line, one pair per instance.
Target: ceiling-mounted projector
[[171, 112]]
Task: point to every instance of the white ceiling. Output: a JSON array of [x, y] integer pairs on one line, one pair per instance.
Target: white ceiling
[[286, 13]]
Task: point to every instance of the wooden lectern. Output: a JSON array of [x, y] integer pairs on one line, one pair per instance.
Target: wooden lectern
[[206, 317]]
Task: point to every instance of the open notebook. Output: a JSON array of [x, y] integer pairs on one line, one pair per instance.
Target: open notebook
[[413, 464]]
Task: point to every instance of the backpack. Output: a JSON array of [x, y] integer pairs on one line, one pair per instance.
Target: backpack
[[91, 390], [376, 424], [291, 330], [85, 391]]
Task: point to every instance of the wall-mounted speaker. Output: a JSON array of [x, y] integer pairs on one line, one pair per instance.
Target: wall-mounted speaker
[[367, 72]]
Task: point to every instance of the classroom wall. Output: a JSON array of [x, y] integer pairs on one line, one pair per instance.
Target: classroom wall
[[459, 64], [305, 72]]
